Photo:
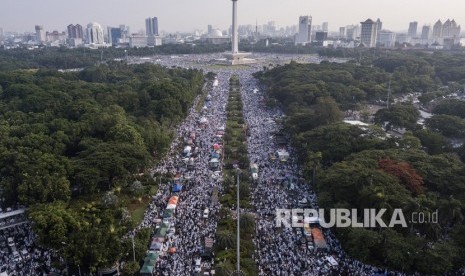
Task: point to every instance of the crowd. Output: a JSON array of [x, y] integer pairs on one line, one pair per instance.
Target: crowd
[[191, 225], [19, 254], [283, 251]]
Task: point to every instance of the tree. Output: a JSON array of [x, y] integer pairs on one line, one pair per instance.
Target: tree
[[405, 173], [247, 223], [447, 125], [399, 115], [225, 239]]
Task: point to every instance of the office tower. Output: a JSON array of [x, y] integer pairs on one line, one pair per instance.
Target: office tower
[[437, 30], [425, 32], [210, 29], [450, 29], [40, 34], [1, 34], [342, 32], [352, 32], [305, 28], [114, 35], [324, 26], [94, 33], [379, 25], [386, 39], [369, 33], [151, 26], [412, 29], [321, 36], [75, 31]]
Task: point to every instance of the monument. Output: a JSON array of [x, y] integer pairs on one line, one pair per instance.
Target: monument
[[235, 57]]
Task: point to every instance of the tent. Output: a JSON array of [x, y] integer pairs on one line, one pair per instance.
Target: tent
[[171, 206], [177, 188], [172, 250], [214, 163], [168, 213], [216, 147], [146, 270], [173, 200]]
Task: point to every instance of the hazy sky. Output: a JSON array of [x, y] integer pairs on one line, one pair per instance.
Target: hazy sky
[[187, 15]]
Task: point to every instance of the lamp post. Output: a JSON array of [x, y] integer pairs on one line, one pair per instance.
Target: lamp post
[[238, 224]]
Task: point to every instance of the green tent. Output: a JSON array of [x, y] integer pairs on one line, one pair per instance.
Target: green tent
[[168, 213], [146, 270]]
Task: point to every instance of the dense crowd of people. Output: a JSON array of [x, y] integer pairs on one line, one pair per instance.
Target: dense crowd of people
[[19, 253]]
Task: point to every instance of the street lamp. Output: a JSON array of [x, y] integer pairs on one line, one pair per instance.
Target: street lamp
[[238, 223]]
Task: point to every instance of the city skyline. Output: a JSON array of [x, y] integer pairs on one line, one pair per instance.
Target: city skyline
[[22, 16]]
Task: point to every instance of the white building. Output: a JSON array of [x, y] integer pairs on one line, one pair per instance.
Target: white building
[[94, 34], [40, 34], [369, 33], [138, 41], [303, 37], [386, 39]]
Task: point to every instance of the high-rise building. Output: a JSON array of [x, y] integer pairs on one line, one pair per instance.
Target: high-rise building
[[324, 26], [114, 35], [412, 29], [94, 34], [386, 39], [342, 32], [425, 32], [151, 26], [321, 36], [1, 34], [437, 30], [75, 31], [369, 33], [379, 25], [210, 29], [40, 34], [305, 30], [352, 32], [450, 29]]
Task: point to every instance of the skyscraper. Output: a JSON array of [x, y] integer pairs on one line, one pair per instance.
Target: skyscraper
[[305, 29], [324, 26], [450, 29], [151, 26], [425, 32], [94, 33], [437, 30], [369, 33], [210, 29], [412, 29], [40, 34], [1, 34], [75, 31], [342, 32], [379, 25], [114, 35]]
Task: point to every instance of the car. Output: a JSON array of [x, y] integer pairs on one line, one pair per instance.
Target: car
[[205, 213]]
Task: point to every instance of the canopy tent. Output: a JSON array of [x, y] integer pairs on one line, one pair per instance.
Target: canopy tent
[[177, 188], [216, 147], [146, 270], [172, 250], [168, 213], [161, 232], [171, 206], [215, 155], [152, 255], [173, 200]]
